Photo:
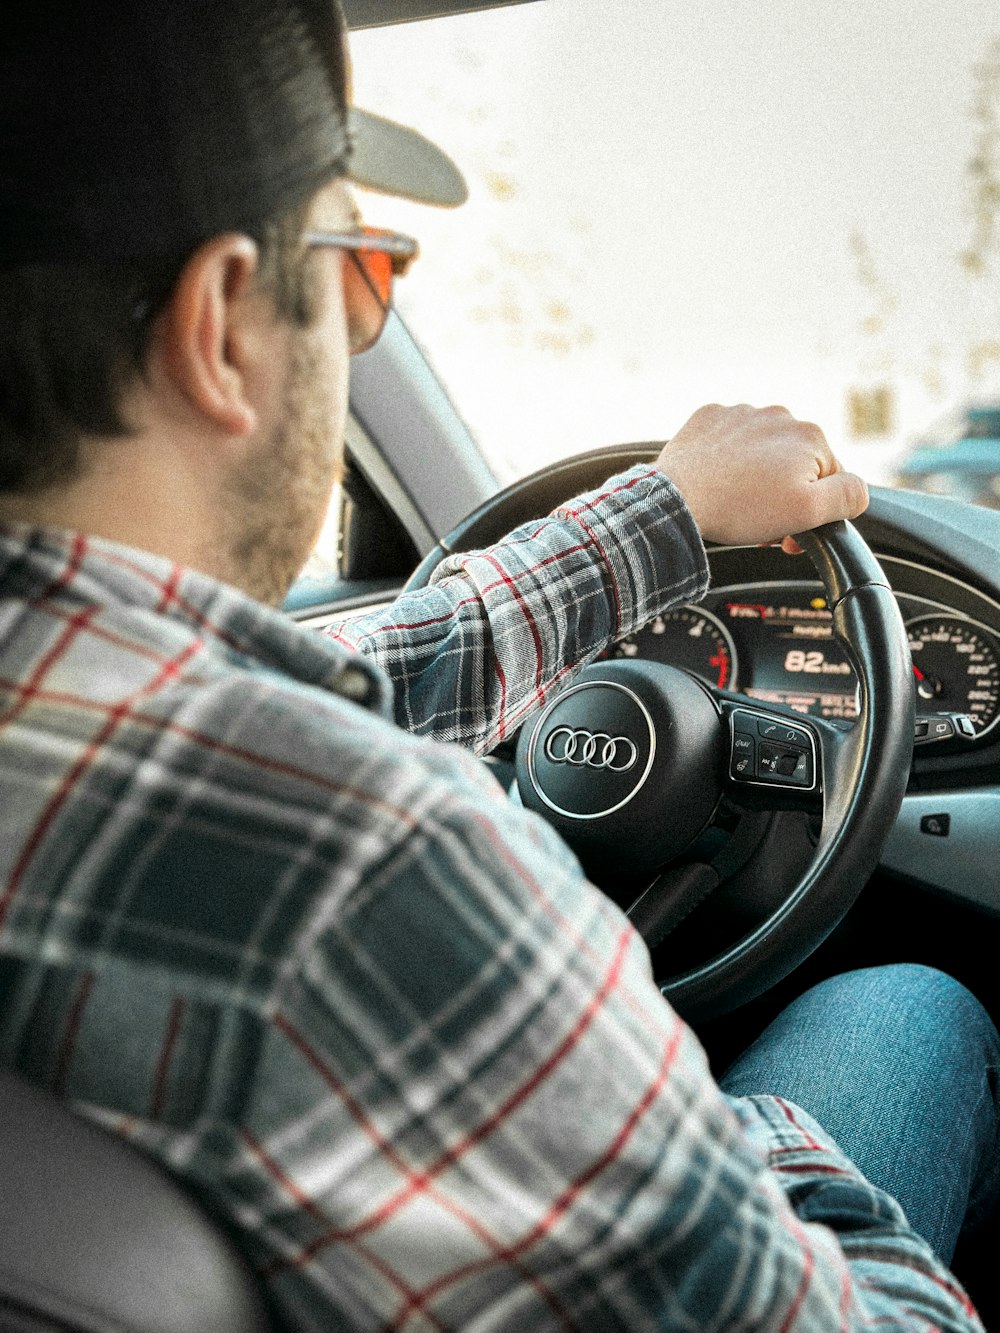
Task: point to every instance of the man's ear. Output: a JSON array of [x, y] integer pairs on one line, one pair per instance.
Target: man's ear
[[204, 331]]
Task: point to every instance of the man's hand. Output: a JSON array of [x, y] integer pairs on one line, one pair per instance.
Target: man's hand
[[753, 475]]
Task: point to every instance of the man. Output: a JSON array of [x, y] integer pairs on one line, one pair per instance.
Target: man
[[318, 966]]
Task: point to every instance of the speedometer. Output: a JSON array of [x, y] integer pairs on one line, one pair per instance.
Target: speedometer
[[690, 638], [956, 667]]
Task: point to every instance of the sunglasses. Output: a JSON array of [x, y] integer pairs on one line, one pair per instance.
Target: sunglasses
[[372, 258]]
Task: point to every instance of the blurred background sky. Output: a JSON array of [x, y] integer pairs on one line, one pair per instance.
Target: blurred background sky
[[718, 200]]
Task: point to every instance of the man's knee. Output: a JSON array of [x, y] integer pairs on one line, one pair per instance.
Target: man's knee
[[918, 999]]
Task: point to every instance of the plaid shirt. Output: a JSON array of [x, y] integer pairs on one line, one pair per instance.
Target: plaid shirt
[[361, 1002]]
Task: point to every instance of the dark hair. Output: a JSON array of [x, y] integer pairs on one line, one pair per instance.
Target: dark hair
[[73, 337]]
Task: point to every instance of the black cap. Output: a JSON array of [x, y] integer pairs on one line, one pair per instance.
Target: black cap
[[132, 129]]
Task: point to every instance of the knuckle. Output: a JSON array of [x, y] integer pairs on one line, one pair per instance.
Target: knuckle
[[811, 437], [857, 494], [813, 509], [705, 414]]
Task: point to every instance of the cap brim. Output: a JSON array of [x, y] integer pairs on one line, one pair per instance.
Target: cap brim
[[394, 159]]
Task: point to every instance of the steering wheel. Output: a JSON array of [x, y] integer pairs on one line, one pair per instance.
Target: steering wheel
[[635, 760]]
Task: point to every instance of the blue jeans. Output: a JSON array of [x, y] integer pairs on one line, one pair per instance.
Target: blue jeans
[[900, 1066]]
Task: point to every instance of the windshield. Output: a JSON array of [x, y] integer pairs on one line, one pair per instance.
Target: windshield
[[675, 204]]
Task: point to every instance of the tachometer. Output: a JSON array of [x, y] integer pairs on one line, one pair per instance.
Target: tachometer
[[956, 667], [689, 638]]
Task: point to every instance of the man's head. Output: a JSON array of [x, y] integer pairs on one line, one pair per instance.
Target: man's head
[[164, 321]]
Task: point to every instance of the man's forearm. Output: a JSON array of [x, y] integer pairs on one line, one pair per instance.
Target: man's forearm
[[472, 655]]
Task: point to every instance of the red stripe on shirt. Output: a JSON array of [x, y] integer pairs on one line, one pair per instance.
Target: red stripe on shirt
[[77, 551], [807, 1272], [30, 688], [536, 638], [170, 586], [71, 1033], [599, 547], [162, 1076], [789, 1114], [411, 625]]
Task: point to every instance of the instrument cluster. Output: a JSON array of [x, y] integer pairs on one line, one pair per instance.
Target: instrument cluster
[[774, 642]]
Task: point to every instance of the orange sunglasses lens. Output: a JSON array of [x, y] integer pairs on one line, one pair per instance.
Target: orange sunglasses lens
[[367, 294], [378, 271]]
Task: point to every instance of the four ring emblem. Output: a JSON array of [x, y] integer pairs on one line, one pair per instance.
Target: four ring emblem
[[590, 749]]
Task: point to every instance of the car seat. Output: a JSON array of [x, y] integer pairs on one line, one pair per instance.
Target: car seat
[[96, 1238]]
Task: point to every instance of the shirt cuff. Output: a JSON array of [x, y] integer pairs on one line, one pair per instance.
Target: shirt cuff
[[643, 532]]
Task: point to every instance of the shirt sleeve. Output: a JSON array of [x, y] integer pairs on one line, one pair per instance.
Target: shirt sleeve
[[474, 1109], [498, 630]]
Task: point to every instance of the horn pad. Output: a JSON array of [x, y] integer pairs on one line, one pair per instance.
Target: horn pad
[[627, 763]]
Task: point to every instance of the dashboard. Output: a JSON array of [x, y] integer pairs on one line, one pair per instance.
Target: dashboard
[[773, 641]]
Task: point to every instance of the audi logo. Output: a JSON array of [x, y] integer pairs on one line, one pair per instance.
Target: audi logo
[[590, 749]]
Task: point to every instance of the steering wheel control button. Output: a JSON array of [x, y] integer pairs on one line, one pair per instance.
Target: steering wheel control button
[[771, 730], [767, 761], [744, 755], [938, 826], [782, 765]]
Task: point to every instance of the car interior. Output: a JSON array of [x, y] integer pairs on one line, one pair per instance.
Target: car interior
[[887, 853]]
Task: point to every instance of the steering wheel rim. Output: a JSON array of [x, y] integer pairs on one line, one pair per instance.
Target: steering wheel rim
[[864, 774]]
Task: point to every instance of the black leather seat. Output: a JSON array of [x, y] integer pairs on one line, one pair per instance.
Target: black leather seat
[[95, 1238]]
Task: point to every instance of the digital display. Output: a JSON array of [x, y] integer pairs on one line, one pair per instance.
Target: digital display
[[792, 655]]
